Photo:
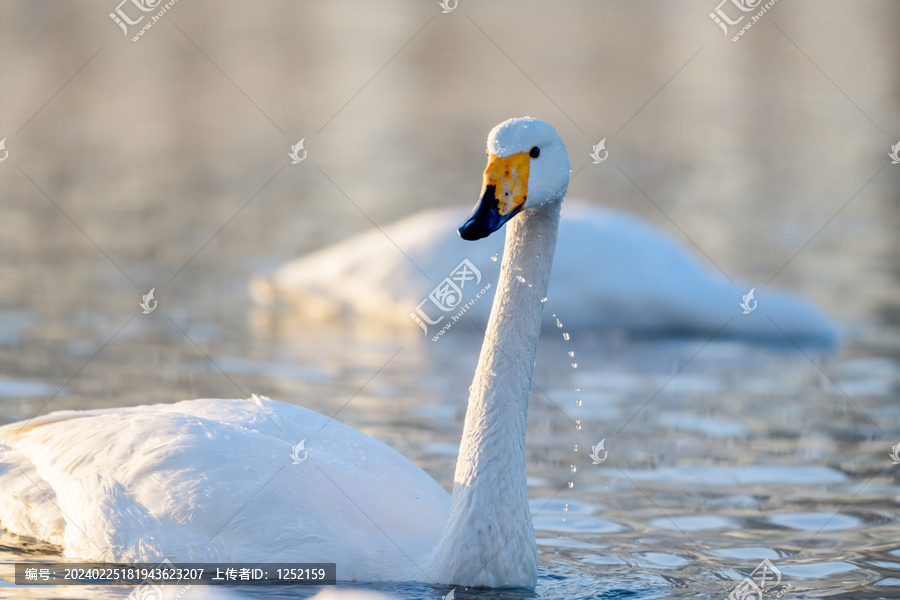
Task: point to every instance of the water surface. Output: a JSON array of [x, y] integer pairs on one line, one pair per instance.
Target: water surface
[[163, 164]]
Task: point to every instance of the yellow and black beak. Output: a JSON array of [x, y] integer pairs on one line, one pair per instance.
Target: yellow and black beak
[[502, 197]]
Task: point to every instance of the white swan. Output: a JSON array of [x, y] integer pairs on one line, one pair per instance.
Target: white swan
[[614, 272], [225, 480]]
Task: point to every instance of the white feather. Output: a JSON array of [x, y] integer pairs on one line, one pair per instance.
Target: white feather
[[213, 480]]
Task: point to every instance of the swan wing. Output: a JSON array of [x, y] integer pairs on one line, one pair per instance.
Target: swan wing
[[29, 505], [213, 480]]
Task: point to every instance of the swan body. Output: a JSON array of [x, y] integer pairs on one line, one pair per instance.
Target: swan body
[[152, 482], [230, 481], [614, 272]]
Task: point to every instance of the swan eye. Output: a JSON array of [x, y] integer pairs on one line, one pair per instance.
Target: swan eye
[[535, 152]]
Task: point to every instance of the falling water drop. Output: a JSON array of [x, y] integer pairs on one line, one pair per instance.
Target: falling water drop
[[574, 468], [577, 389], [571, 353], [520, 278], [578, 424], [574, 365], [543, 300], [576, 447], [494, 258], [571, 484], [558, 324], [565, 335], [578, 402], [566, 507]]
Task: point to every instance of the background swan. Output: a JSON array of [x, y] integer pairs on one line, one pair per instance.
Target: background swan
[[614, 272], [219, 480]]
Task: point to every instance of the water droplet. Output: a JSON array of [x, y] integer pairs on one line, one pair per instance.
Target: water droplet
[[558, 324], [578, 402], [565, 335], [520, 278], [574, 365], [566, 507], [578, 424], [571, 484], [529, 285], [494, 258], [571, 353], [543, 300], [574, 468], [577, 389], [576, 447]]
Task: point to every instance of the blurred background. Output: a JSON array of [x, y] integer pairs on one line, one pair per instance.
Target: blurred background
[[163, 163]]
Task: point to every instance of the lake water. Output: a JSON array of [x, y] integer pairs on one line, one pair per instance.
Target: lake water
[[163, 164]]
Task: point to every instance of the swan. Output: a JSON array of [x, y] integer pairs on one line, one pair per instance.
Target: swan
[[614, 272], [258, 480]]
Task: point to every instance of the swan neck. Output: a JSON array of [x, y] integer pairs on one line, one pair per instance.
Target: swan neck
[[502, 383], [489, 538]]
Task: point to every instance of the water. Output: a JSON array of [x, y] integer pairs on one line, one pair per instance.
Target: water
[[153, 170], [748, 453]]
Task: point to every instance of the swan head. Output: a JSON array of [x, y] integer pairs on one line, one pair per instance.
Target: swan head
[[527, 166]]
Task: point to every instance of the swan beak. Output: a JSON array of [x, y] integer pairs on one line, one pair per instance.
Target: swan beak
[[502, 197]]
